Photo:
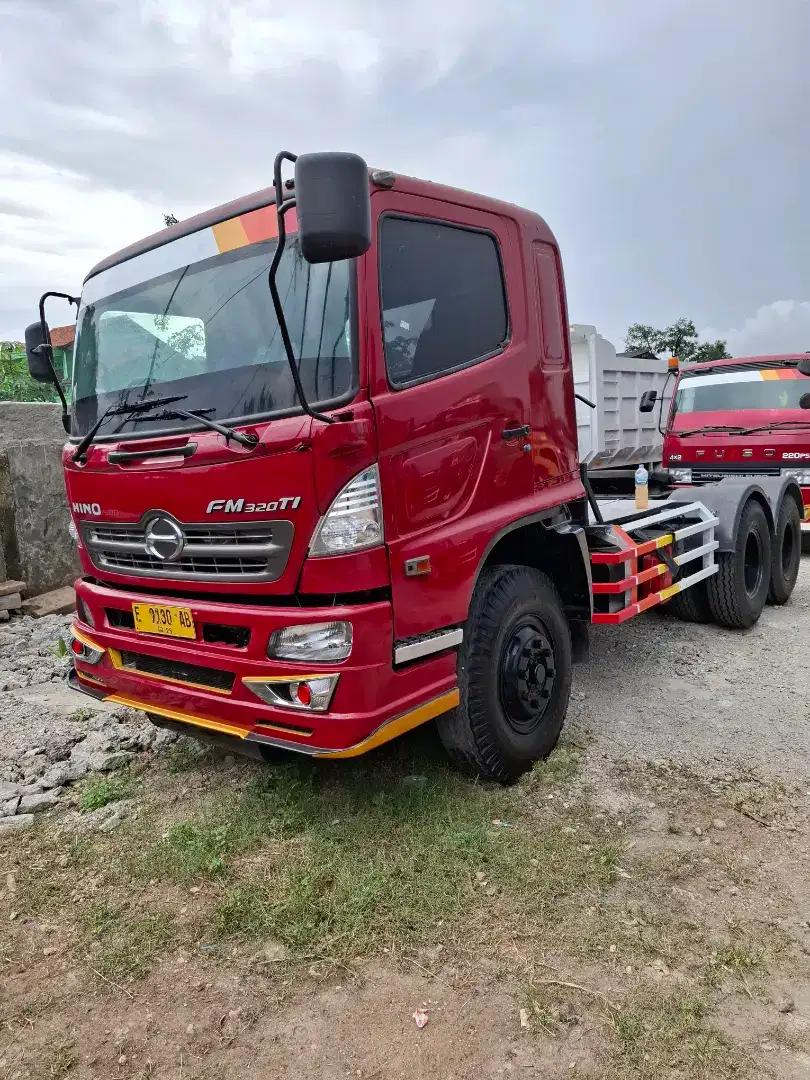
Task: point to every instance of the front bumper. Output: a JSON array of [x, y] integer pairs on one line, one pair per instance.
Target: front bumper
[[373, 702]]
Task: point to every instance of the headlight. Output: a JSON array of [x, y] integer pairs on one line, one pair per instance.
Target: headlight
[[354, 520], [327, 642], [802, 475], [681, 476]]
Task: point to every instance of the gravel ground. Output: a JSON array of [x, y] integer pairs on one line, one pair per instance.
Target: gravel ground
[[49, 736], [655, 689]]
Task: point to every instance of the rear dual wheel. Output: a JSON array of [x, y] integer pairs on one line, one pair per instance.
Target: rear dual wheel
[[738, 591], [514, 676]]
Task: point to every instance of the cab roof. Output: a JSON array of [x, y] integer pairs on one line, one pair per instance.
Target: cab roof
[[747, 361], [527, 219]]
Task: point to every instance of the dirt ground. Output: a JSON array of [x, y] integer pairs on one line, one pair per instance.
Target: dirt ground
[[638, 907]]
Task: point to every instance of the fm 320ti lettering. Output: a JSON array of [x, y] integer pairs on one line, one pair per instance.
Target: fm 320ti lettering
[[239, 506]]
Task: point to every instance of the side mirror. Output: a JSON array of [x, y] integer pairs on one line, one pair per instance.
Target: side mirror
[[333, 206], [648, 400], [804, 401], [38, 353], [803, 367]]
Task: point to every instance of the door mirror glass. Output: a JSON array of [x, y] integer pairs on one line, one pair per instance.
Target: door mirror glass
[[648, 400], [804, 401], [37, 353], [333, 206], [804, 367]]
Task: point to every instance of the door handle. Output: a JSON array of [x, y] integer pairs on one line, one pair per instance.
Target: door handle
[[516, 432]]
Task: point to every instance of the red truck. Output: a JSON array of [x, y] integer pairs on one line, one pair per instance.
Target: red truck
[[322, 471], [741, 417]]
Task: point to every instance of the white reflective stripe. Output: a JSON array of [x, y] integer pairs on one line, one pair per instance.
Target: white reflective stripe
[[695, 553], [696, 381], [181, 252], [448, 640], [690, 530]]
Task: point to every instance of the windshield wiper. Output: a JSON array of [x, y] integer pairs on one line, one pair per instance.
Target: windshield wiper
[[120, 410], [777, 424], [711, 427], [249, 440]]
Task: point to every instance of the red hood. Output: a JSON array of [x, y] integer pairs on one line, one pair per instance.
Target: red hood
[[291, 476]]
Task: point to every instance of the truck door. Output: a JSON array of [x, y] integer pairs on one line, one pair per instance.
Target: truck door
[[449, 385], [553, 422]]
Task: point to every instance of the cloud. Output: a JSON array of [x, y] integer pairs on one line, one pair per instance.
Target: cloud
[[780, 327], [661, 142]]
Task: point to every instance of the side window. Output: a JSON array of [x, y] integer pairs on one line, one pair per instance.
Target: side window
[[550, 305], [443, 298]]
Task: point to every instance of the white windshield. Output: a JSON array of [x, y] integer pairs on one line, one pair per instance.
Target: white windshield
[[206, 331]]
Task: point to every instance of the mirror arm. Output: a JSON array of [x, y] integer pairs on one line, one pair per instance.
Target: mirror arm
[[282, 206], [47, 348], [661, 405]]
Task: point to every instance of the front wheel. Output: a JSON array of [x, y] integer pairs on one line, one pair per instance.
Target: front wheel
[[514, 676]]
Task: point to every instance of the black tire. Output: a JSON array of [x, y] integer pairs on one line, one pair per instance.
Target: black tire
[[514, 676], [786, 554], [691, 605], [739, 589]]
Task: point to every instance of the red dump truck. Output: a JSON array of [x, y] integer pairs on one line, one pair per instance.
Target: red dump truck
[[741, 417], [322, 470]]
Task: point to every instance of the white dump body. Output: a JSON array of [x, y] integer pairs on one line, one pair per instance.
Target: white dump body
[[615, 435]]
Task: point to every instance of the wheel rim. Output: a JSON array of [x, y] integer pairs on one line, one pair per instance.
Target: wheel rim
[[788, 548], [752, 565], [526, 676]]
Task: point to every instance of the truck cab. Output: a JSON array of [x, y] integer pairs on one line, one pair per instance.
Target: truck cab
[[323, 477], [741, 417]]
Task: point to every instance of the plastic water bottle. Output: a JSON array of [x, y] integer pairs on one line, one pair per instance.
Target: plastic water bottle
[[642, 489]]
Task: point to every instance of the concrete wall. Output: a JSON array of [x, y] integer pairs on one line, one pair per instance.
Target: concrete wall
[[36, 545]]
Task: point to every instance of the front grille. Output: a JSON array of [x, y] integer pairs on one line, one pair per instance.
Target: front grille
[[249, 551], [171, 669]]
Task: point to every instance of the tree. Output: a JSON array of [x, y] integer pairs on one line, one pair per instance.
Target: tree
[[170, 219], [15, 382], [680, 339]]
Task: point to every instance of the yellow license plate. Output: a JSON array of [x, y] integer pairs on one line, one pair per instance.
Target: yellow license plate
[[163, 619]]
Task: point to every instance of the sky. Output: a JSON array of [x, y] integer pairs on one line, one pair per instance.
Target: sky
[[664, 141]]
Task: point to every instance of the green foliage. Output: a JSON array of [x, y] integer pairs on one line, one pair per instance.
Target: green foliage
[[170, 219], [15, 382], [680, 339]]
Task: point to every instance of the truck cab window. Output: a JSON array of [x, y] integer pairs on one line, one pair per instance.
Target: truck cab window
[[443, 298]]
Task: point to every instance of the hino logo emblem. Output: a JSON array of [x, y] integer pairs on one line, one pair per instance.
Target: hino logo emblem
[[164, 539]]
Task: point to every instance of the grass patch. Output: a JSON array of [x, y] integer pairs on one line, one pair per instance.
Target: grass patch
[[186, 755], [81, 716], [63, 1061], [122, 946], [658, 1035], [100, 791]]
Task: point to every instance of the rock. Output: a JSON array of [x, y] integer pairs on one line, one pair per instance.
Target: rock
[[57, 602], [8, 791], [31, 789], [56, 776], [15, 824], [112, 822], [109, 762], [35, 804], [698, 831], [718, 823], [9, 588], [76, 770], [786, 1005], [10, 807]]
